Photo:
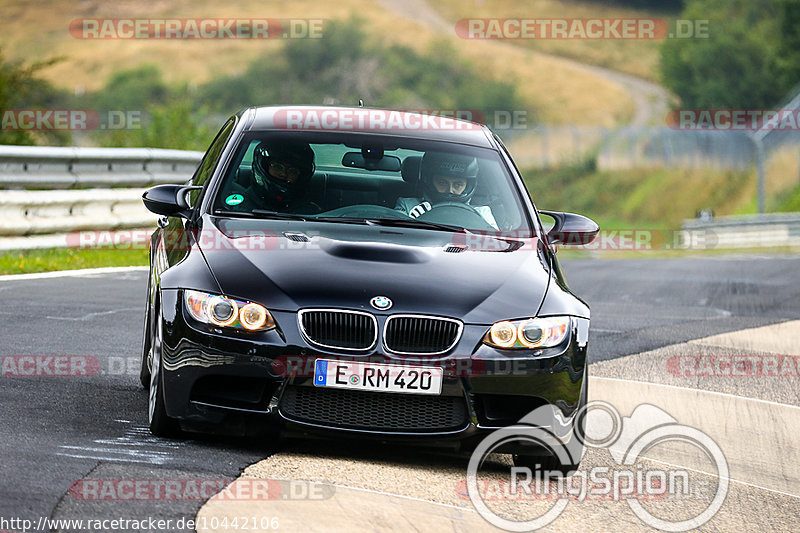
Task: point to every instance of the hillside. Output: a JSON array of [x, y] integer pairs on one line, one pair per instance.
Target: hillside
[[558, 91], [638, 57]]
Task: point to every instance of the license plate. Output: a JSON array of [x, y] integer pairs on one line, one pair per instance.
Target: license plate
[[377, 377]]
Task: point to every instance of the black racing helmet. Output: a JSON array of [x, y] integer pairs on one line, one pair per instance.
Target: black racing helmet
[[295, 153], [449, 166]]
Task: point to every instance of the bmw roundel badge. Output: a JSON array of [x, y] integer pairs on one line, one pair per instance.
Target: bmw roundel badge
[[381, 302]]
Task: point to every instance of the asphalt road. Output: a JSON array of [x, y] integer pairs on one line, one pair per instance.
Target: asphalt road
[[59, 430]]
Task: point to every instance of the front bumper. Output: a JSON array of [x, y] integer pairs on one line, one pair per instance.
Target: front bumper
[[241, 383]]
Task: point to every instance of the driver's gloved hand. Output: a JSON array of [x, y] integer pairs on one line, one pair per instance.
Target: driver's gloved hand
[[420, 209]]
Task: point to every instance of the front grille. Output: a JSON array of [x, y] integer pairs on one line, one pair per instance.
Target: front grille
[[421, 335], [346, 330], [374, 411]]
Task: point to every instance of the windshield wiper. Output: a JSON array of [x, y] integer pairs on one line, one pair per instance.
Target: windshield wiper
[[275, 214], [343, 220], [383, 221], [414, 223]]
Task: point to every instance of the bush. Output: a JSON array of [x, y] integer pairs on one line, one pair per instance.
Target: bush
[[20, 88], [738, 65], [344, 66]]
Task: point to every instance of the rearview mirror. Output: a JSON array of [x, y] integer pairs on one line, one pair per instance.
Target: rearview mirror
[[388, 163], [168, 200], [571, 229]]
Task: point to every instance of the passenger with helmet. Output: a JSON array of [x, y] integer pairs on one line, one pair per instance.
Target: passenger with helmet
[[282, 171], [445, 178]]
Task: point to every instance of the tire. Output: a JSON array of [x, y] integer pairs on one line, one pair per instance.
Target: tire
[[552, 463], [144, 371], [161, 425]]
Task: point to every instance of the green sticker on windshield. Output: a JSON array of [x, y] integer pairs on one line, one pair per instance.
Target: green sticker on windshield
[[234, 199]]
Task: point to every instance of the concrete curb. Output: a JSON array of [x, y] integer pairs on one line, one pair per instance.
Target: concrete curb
[[756, 437], [346, 509], [72, 273]]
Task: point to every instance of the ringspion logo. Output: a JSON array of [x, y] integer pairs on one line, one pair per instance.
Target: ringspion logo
[[626, 439]]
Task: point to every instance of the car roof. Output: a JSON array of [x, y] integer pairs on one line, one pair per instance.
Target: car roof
[[425, 124]]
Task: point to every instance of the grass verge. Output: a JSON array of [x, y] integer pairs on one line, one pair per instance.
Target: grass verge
[[51, 259], [640, 198], [54, 259]]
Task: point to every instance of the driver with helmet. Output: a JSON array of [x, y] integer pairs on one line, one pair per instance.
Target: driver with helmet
[[445, 178], [282, 171]]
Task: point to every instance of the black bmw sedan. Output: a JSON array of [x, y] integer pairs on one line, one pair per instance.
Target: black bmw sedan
[[359, 272]]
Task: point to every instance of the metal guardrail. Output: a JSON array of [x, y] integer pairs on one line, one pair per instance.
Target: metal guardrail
[[44, 167], [51, 190], [41, 212], [74, 189], [743, 231]]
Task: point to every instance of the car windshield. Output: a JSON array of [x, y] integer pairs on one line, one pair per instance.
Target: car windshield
[[358, 178]]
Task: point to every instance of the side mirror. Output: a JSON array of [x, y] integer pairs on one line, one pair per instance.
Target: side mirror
[[571, 229], [168, 200]]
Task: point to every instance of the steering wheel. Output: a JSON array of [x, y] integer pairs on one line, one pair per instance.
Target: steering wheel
[[363, 211], [455, 213]]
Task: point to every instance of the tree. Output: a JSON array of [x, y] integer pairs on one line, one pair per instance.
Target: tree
[[21, 88], [789, 53], [737, 66], [133, 90]]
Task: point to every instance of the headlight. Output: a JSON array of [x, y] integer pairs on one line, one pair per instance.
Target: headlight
[[528, 333], [222, 311]]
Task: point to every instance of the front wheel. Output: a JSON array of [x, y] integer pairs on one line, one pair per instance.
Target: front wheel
[[161, 425], [147, 352], [551, 463], [147, 337]]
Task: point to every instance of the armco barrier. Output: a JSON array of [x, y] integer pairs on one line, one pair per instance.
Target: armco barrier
[[45, 167], [47, 190], [744, 231], [42, 212]]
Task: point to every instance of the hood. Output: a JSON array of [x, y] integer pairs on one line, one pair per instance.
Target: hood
[[287, 265]]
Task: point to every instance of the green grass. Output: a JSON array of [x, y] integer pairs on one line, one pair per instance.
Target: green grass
[[790, 202], [640, 198], [29, 261], [571, 253]]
